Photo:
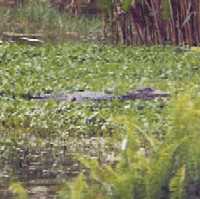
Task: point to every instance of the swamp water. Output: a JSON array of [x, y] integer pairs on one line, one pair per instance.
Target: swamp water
[[43, 170]]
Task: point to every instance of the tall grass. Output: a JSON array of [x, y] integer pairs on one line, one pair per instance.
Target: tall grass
[[40, 17]]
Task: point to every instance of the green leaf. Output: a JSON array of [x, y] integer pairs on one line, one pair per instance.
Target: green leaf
[[18, 190], [177, 184], [166, 9], [126, 4]]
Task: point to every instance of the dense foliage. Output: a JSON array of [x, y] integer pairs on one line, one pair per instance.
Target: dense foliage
[[162, 158], [168, 169]]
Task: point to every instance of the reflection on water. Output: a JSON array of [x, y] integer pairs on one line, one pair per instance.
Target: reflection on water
[[40, 174], [43, 169], [34, 192]]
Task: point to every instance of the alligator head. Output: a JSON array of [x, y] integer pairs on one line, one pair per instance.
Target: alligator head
[[146, 94]]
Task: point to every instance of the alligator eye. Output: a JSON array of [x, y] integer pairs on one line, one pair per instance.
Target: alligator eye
[[73, 99], [148, 89]]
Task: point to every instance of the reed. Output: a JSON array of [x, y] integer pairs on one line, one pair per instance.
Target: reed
[[156, 21]]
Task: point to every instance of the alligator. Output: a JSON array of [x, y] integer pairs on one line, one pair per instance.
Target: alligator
[[79, 96]]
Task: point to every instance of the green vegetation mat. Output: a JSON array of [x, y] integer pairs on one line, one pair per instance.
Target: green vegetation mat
[[159, 125]]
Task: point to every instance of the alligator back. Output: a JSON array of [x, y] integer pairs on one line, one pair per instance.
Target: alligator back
[[74, 96]]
